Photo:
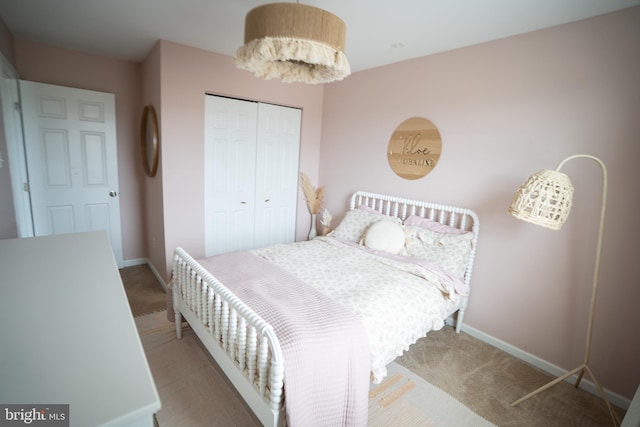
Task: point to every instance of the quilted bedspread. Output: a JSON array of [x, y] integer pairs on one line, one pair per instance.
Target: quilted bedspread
[[326, 374], [397, 301]]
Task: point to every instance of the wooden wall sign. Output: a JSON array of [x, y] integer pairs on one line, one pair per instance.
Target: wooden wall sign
[[414, 148]]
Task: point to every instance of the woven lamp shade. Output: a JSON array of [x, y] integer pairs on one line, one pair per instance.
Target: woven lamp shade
[[294, 43], [544, 199]]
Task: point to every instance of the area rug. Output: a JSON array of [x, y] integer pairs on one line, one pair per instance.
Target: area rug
[[195, 393], [404, 399]]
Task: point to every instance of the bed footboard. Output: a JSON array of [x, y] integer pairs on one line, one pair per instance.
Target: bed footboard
[[241, 342]]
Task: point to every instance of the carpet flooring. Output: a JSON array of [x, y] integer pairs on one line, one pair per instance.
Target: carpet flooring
[[195, 393], [480, 376], [487, 380], [145, 294]]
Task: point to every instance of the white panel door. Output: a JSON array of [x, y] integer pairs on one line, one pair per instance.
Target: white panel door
[[278, 152], [230, 174], [70, 144]]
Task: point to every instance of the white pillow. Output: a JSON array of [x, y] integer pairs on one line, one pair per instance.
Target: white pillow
[[387, 236]]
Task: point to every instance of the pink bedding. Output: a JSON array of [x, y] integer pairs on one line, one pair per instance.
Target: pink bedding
[[326, 373]]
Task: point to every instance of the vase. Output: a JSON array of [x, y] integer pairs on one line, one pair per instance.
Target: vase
[[312, 232]]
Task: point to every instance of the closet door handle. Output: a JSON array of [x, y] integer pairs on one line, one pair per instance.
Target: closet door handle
[[266, 200], [243, 203]]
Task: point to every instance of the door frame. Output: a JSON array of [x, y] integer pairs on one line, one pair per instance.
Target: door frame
[[17, 161], [117, 246]]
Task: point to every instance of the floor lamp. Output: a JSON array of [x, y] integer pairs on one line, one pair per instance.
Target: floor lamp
[[545, 199]]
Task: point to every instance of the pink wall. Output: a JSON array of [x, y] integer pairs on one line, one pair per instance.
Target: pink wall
[[506, 109], [186, 74], [47, 64], [153, 207]]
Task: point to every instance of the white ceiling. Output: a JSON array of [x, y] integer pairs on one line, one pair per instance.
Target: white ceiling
[[127, 29]]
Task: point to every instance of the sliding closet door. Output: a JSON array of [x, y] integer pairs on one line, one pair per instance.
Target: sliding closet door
[[230, 174], [278, 152]]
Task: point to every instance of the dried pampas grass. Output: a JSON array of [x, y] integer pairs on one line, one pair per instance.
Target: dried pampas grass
[[314, 196], [326, 222]]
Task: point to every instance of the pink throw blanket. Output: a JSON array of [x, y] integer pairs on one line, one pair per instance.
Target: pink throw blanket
[[325, 348]]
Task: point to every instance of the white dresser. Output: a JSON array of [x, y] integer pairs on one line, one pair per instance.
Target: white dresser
[[67, 335]]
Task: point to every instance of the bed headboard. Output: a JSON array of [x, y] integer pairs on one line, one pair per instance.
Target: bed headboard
[[462, 218]]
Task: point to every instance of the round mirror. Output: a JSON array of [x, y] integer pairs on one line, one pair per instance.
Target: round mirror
[[414, 148], [149, 142]]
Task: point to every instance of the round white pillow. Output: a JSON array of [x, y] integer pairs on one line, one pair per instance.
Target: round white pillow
[[387, 236]]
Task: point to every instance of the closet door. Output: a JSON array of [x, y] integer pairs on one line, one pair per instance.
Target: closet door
[[278, 149], [251, 174], [230, 174]]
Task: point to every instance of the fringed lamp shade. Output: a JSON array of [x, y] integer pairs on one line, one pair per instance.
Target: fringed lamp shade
[[544, 199], [294, 43]]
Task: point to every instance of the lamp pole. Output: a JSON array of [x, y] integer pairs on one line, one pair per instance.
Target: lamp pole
[[580, 370]]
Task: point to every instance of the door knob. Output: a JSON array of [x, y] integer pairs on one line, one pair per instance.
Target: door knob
[[113, 193]]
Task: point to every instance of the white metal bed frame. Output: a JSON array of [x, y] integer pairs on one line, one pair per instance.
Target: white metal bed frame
[[242, 343]]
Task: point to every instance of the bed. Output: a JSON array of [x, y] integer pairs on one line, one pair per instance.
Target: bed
[[391, 271]]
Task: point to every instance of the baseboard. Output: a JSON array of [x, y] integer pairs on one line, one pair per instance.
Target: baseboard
[[541, 364], [134, 262], [155, 273]]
